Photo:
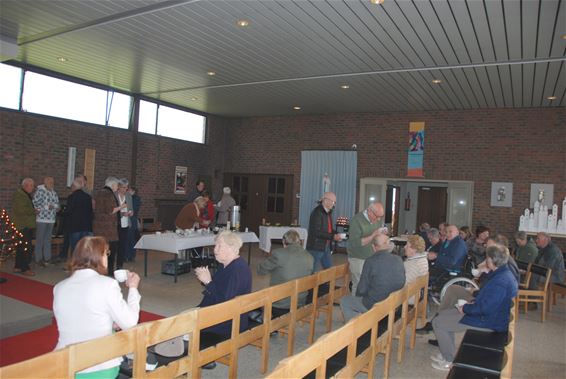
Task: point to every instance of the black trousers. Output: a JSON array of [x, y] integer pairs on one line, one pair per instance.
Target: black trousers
[[123, 247], [114, 247], [23, 257]]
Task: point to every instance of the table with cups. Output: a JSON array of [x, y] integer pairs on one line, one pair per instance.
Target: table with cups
[[182, 240]]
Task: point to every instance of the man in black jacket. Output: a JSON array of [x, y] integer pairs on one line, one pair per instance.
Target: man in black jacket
[[79, 213], [321, 232]]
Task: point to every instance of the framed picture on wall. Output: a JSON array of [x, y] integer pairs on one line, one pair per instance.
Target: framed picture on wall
[[543, 193], [180, 180], [501, 194]]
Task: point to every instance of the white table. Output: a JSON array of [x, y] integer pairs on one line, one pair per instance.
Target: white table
[[170, 242], [267, 233]]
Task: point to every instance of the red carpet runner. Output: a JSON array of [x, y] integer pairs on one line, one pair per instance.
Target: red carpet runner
[[28, 345]]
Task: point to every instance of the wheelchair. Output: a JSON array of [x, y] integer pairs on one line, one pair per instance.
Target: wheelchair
[[439, 284]]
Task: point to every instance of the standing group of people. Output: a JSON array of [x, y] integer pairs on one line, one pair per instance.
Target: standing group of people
[[112, 213], [116, 218]]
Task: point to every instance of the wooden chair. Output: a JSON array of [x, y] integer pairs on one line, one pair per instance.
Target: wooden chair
[[540, 295], [341, 288], [207, 317], [255, 332], [510, 347], [280, 323], [526, 268], [89, 353], [314, 358], [325, 301], [51, 365], [416, 293], [305, 312], [423, 304], [163, 330], [557, 289], [364, 360]]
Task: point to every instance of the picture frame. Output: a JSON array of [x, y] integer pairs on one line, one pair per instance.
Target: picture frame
[[547, 194], [180, 180], [501, 194]]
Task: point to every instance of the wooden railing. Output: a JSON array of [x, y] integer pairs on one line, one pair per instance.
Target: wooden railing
[[74, 358]]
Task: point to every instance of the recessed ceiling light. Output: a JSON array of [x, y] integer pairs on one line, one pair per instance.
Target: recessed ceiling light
[[211, 73], [242, 23], [194, 98], [551, 98], [62, 59], [377, 2], [344, 86], [297, 108], [436, 81]]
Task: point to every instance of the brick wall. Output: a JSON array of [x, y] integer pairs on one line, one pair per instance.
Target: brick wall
[[521, 146], [37, 146]]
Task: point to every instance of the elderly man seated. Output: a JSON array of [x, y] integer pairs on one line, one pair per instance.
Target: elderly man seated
[[382, 274], [289, 263], [489, 311], [450, 258]]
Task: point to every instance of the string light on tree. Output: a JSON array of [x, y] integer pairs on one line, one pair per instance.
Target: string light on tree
[[10, 237]]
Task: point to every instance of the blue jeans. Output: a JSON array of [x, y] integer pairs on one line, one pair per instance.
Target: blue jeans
[[75, 237], [321, 258]]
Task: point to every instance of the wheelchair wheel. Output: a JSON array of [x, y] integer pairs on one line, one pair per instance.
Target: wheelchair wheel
[[460, 281]]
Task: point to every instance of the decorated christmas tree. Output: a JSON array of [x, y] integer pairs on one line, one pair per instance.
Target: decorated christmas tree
[[10, 238]]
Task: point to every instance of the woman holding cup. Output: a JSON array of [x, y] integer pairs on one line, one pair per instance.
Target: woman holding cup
[[88, 303]]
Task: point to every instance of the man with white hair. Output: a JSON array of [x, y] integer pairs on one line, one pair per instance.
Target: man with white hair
[[224, 206], [550, 256], [382, 274], [23, 217], [46, 201], [364, 227]]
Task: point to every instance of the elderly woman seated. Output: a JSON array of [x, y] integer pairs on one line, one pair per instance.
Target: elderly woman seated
[[87, 304], [489, 311], [233, 278]]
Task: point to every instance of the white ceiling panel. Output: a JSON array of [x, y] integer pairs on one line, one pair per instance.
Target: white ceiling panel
[[487, 54]]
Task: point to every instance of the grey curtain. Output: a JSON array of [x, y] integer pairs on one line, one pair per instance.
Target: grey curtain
[[341, 167]]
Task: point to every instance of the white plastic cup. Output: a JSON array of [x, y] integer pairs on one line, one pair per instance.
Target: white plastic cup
[[121, 275], [462, 302], [246, 229]]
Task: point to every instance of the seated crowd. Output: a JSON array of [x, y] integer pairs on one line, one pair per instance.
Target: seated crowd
[[90, 305]]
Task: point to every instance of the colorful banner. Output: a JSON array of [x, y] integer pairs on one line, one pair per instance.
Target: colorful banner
[[415, 157]]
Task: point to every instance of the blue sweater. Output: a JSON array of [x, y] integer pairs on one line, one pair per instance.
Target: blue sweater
[[492, 304], [227, 283], [452, 254]]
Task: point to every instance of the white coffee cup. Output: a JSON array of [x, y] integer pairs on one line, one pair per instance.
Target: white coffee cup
[[121, 275], [462, 302], [157, 233], [342, 235]]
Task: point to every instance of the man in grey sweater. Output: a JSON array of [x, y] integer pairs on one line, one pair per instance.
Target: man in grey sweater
[[382, 274]]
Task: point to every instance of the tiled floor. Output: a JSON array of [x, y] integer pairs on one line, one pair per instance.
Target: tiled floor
[[540, 348]]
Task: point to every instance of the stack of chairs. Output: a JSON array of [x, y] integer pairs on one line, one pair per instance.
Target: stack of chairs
[[485, 355]]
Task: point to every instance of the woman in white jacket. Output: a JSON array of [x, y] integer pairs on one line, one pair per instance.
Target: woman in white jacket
[[87, 304]]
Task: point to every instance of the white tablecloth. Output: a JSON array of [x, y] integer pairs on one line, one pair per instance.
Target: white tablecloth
[[173, 243], [267, 233]]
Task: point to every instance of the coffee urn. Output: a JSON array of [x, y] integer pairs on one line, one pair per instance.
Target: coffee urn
[[235, 217]]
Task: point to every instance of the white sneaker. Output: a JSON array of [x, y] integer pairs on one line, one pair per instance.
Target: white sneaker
[[442, 366], [437, 357]]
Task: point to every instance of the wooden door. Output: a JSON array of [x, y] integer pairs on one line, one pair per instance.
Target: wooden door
[[262, 196], [431, 205]]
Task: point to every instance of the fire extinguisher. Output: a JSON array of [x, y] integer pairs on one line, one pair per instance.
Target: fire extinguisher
[[408, 202]]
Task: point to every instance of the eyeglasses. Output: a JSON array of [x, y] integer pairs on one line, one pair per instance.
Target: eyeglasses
[[374, 212], [332, 201]]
